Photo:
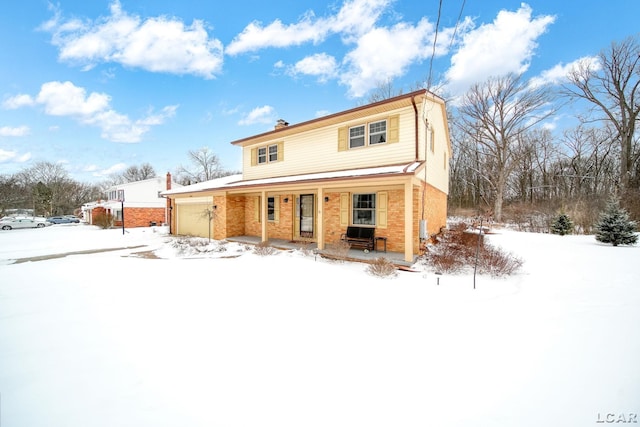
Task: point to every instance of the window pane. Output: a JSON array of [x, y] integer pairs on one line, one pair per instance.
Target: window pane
[[271, 212], [262, 155], [378, 132], [356, 137], [364, 209], [273, 153]]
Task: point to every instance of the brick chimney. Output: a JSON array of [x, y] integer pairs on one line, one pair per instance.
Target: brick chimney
[[281, 124], [168, 186]]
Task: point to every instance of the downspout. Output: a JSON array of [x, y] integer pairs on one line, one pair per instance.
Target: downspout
[[415, 126]]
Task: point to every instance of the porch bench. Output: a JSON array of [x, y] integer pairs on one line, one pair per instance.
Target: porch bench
[[363, 237]]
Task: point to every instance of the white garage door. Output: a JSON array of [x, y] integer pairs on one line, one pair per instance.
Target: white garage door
[[193, 219]]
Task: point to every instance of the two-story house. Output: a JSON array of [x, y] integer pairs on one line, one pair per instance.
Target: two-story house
[[383, 165], [139, 203]]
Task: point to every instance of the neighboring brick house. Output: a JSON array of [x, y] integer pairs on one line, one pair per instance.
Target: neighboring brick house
[[383, 165], [142, 202]]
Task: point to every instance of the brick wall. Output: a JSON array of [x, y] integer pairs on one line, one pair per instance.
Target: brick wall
[[141, 217], [331, 217]]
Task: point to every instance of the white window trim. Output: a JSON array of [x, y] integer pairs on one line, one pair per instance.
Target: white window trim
[[367, 134]]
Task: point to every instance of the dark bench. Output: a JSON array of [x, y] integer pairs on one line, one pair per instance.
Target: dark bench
[[363, 237]]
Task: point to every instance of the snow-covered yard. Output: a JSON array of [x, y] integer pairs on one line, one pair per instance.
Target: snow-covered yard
[[230, 338]]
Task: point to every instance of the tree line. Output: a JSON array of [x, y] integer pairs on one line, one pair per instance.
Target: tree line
[[506, 164], [46, 188]]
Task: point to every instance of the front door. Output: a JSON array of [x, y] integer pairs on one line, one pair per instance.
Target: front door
[[305, 216]]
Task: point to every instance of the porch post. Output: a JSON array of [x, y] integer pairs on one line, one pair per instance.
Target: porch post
[[263, 215], [321, 203], [408, 221]]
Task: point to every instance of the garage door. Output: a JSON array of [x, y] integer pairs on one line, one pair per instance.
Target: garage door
[[193, 220]]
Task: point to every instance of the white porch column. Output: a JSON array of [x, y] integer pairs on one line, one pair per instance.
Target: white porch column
[[263, 215], [321, 203], [408, 221]]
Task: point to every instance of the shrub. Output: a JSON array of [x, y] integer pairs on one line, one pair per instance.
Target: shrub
[[382, 267], [562, 225], [103, 220], [338, 250], [264, 249], [495, 262], [457, 250]]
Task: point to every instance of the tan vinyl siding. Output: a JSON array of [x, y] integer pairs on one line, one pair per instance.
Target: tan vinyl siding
[[436, 174], [321, 150]]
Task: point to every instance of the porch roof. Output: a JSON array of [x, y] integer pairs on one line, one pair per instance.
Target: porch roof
[[236, 181]]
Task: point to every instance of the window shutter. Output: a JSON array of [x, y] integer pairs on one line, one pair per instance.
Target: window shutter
[[383, 202], [393, 132], [280, 151], [343, 132], [254, 156], [344, 209], [256, 209], [276, 208]]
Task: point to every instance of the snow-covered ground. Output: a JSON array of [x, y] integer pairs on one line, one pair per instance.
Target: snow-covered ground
[[229, 338]]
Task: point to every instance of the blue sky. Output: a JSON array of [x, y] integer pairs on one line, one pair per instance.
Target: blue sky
[[102, 85]]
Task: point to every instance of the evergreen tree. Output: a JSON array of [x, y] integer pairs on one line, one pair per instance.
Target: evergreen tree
[[615, 227], [562, 225]]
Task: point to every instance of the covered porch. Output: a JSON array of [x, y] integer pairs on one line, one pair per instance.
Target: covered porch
[[353, 255]]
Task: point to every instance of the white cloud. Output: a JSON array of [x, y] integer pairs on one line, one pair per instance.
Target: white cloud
[[558, 74], [23, 158], [67, 99], [386, 53], [159, 44], [354, 17], [6, 156], [320, 65], [379, 53], [18, 101], [14, 131], [264, 115], [504, 46], [118, 167]]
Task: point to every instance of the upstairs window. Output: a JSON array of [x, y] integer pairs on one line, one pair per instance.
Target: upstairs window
[[356, 137], [267, 154], [385, 131], [273, 153], [371, 134], [378, 132]]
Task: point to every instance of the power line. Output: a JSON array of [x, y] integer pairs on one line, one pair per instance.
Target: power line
[[435, 40], [455, 29]]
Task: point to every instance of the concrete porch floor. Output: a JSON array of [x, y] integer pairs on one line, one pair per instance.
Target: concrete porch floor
[[355, 255]]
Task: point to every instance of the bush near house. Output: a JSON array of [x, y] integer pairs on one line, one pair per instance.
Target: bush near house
[[457, 250], [103, 220]]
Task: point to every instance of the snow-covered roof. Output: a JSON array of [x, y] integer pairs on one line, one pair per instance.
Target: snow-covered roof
[[234, 181]]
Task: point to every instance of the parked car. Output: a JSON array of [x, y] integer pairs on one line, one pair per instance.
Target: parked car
[[10, 224], [62, 220]]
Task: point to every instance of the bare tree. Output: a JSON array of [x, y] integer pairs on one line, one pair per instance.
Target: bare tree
[[383, 90], [495, 114], [612, 86], [133, 174], [204, 166]]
